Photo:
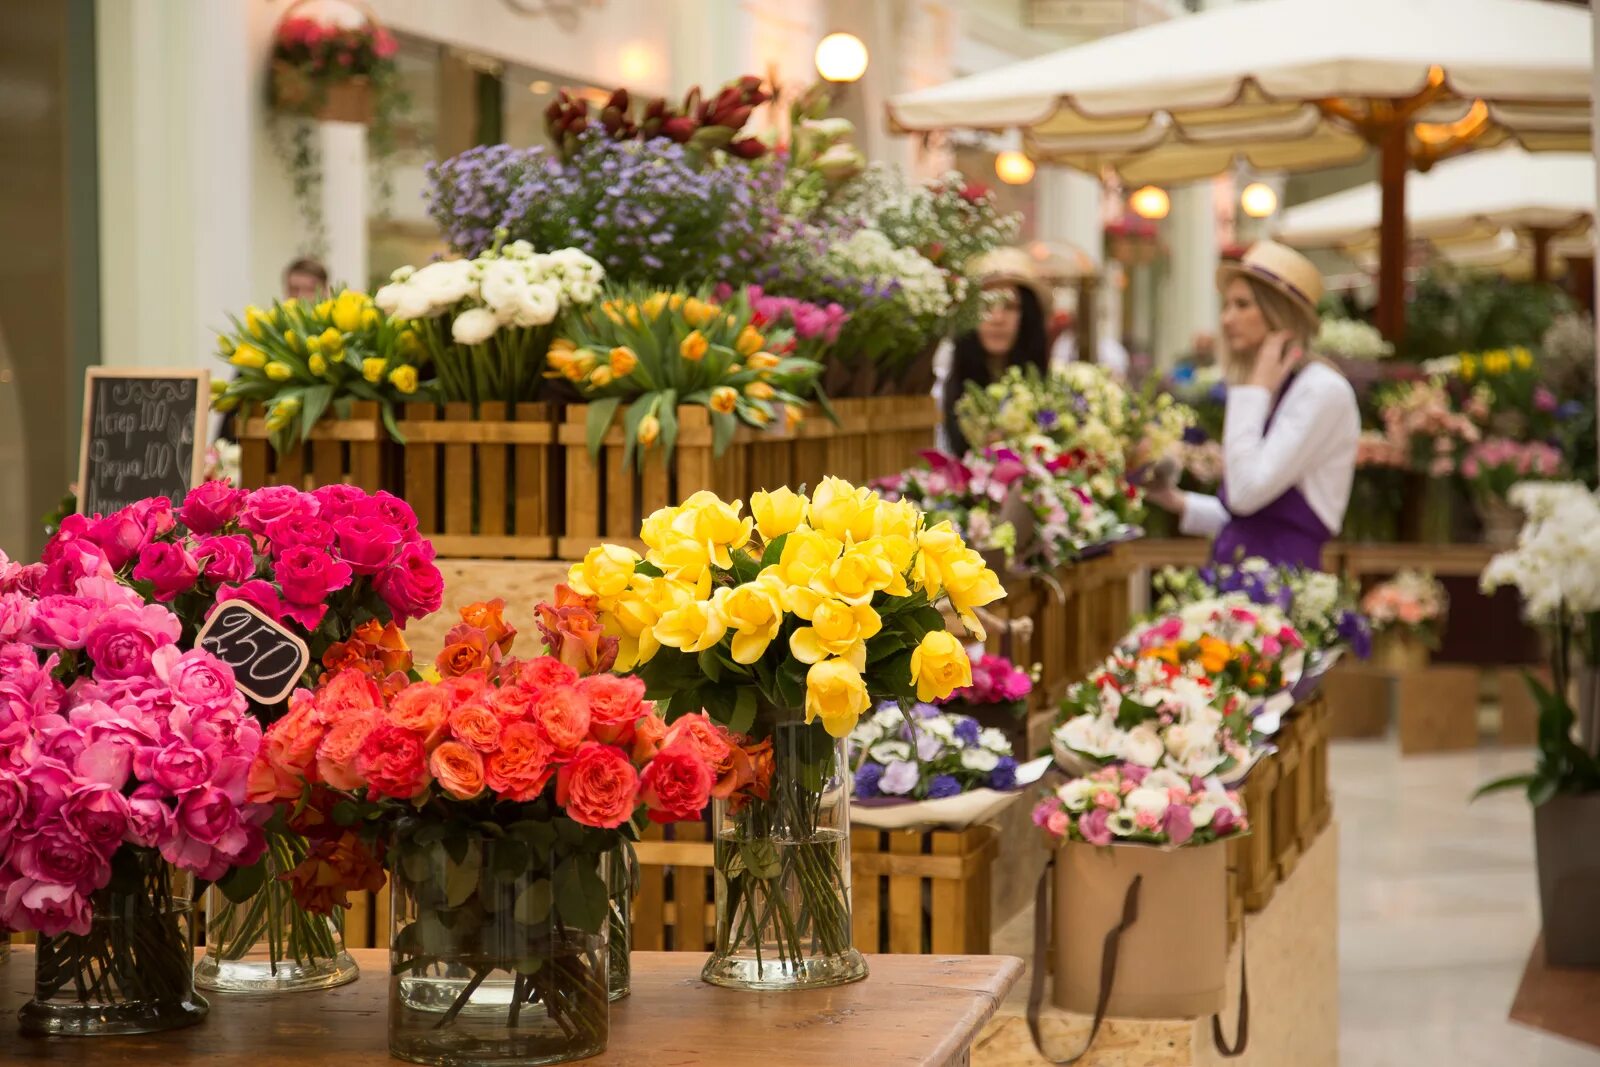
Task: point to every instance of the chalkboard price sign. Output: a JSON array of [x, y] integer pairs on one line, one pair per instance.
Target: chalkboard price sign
[[144, 435], [267, 660]]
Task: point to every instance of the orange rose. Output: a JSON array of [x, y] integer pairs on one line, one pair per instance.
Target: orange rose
[[349, 692], [458, 768], [615, 702], [649, 733], [522, 767], [486, 615], [345, 655], [563, 715], [705, 736], [465, 652], [572, 632], [475, 726], [512, 703], [332, 869], [336, 755], [423, 709], [389, 646], [290, 745]]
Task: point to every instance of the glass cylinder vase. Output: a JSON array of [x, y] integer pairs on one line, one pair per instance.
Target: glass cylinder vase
[[267, 943], [783, 871], [622, 882], [133, 972], [498, 948]]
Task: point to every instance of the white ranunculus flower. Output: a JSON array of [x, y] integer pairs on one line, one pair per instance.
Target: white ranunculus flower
[[474, 326], [889, 751], [448, 281], [388, 297], [995, 741], [1076, 794], [581, 292], [540, 305], [1146, 800], [1142, 745], [1202, 812], [979, 759], [504, 285]]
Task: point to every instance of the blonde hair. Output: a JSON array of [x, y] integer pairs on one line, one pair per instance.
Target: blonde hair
[[1280, 312]]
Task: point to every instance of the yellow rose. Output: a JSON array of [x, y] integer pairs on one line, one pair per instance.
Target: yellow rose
[[940, 666], [759, 391], [404, 378], [724, 399], [749, 341], [899, 518], [693, 347], [649, 430], [248, 355], [970, 584], [256, 320], [656, 531], [837, 629], [347, 309], [633, 616], [692, 627], [697, 312], [778, 512], [685, 560], [936, 544], [875, 565], [623, 361], [604, 572], [806, 553], [836, 694], [706, 520], [372, 368], [319, 366], [841, 510], [754, 612], [279, 371], [331, 340]]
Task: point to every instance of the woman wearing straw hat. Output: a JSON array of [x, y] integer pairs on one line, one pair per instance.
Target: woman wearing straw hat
[[1011, 334], [1289, 439]]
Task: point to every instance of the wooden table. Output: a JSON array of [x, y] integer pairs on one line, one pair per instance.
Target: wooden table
[[911, 1010]]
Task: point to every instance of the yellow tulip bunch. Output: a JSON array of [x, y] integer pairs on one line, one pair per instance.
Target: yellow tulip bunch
[[825, 603], [296, 359]]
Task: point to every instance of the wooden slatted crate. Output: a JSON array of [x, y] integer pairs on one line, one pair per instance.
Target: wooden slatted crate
[[355, 451], [674, 910], [924, 892], [1291, 793], [483, 482], [1251, 855], [1318, 719]]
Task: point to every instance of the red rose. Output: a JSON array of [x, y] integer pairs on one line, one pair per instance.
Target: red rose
[[599, 787], [615, 703], [394, 762], [307, 575], [210, 506], [677, 784], [522, 767]]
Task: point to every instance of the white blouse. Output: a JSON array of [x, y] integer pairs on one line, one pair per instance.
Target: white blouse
[[1311, 445]]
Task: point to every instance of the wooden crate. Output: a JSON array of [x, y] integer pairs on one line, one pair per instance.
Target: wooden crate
[[1438, 709], [1287, 799], [482, 482], [1318, 718], [674, 909], [355, 451], [924, 892], [1358, 698], [1519, 715], [1251, 855]]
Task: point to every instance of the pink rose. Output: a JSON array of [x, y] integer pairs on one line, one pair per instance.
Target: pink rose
[[1223, 822], [338, 500], [412, 586], [150, 821], [106, 760], [207, 815], [264, 506], [1179, 823], [48, 783], [392, 510], [51, 909], [198, 679], [297, 531], [1057, 822], [68, 561], [237, 843], [58, 739], [99, 814], [259, 593], [228, 558], [367, 543], [62, 621], [13, 796], [210, 506], [58, 853], [180, 767], [307, 575], [10, 571], [16, 612], [110, 592], [124, 639], [168, 567]]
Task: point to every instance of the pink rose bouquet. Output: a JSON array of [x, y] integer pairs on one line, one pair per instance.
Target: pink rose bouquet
[[1495, 464], [1412, 602], [1131, 804]]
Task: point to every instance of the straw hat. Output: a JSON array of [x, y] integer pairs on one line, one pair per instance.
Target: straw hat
[[1012, 266], [1285, 270]]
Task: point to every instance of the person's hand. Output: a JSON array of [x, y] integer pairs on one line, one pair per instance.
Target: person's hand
[[1277, 358], [1168, 498]]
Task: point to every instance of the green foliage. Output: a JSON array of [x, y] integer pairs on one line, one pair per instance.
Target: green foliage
[[1565, 767], [1456, 311]]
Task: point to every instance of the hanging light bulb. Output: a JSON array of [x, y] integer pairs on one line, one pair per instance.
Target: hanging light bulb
[[841, 57], [1014, 167], [1258, 200], [1150, 202]]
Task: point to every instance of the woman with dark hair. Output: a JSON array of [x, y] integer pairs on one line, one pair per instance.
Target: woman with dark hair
[[1012, 333]]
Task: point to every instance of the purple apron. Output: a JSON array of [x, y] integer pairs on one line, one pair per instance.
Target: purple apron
[[1286, 532]]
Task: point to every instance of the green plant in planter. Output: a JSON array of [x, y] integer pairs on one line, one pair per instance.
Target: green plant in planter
[[1565, 767]]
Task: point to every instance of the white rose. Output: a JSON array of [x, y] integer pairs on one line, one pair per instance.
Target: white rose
[[1077, 794], [995, 740], [1145, 800], [1142, 745], [889, 751], [979, 759], [1093, 735], [474, 326]]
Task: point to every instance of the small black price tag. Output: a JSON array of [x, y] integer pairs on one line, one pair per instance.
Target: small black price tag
[[267, 660]]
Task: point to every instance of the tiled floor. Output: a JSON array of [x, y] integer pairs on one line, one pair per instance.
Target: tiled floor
[[1438, 909]]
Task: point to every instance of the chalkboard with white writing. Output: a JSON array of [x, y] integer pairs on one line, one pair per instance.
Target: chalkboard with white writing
[[144, 435], [267, 660]]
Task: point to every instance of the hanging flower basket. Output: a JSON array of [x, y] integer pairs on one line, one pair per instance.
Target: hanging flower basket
[[325, 70], [295, 92]]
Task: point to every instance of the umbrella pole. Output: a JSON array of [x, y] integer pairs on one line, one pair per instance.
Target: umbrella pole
[[1541, 253], [1393, 162]]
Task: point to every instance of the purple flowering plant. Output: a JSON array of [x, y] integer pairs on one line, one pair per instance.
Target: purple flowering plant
[[927, 754]]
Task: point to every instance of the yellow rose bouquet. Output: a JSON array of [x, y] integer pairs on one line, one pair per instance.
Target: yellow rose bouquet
[[297, 359], [656, 349], [788, 624]]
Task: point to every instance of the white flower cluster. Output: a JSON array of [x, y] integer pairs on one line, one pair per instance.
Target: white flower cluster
[[1187, 735], [1150, 797], [1352, 339], [514, 286], [869, 254], [1556, 564]]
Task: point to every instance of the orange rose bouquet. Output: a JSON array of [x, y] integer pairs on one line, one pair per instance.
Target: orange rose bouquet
[[494, 794]]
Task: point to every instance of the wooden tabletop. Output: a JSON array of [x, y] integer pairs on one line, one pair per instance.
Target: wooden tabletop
[[911, 1010], [1350, 558]]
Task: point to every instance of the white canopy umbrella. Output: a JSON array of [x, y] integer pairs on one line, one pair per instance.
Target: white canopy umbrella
[[1294, 85], [1468, 201]]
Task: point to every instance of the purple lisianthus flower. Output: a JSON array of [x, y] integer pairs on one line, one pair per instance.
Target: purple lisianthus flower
[[1356, 632], [928, 746], [1569, 410], [867, 780], [1194, 435], [943, 785], [1048, 418], [899, 778], [967, 730], [1004, 775]]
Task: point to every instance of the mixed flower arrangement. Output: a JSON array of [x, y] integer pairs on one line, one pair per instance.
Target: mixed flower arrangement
[[1492, 466], [1352, 339], [1320, 606], [1414, 602], [1421, 421], [927, 754], [1135, 804]]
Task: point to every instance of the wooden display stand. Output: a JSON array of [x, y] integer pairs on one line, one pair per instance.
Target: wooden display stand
[[1438, 709], [1358, 699], [355, 451], [1519, 715], [1252, 855]]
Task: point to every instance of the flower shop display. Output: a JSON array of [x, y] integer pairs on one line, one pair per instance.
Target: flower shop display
[[122, 776], [1492, 467], [331, 70], [340, 569], [296, 361], [789, 623], [1407, 613], [658, 349], [1351, 339], [1136, 804], [494, 795], [486, 322], [998, 697]]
